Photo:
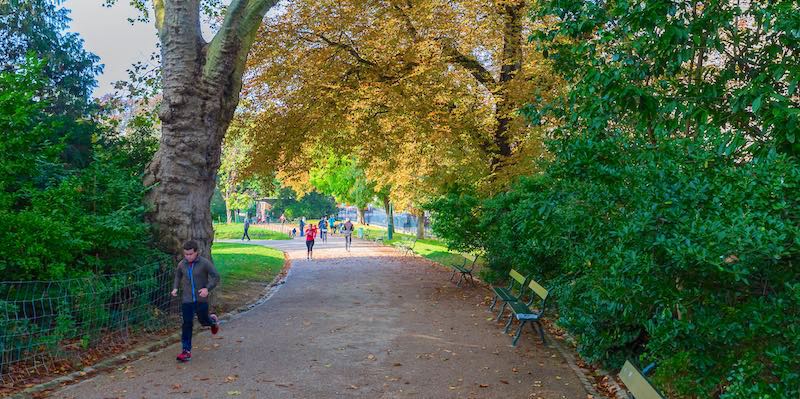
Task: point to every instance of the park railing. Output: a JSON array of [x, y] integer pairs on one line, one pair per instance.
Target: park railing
[[54, 326]]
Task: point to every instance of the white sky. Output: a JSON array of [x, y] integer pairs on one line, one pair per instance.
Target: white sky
[[108, 34]]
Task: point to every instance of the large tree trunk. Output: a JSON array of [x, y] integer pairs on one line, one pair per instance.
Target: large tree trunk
[[512, 12], [360, 214], [201, 91], [420, 223], [389, 215]]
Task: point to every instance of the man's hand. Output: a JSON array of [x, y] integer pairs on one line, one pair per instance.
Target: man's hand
[[203, 292], [175, 292]]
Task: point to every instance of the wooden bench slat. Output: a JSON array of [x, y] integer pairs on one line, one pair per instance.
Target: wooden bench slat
[[516, 276], [538, 289], [637, 383]]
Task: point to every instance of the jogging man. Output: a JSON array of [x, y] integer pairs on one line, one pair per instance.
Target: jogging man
[[347, 230], [195, 276]]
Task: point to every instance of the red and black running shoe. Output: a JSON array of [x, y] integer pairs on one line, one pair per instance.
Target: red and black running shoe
[[185, 356], [215, 324]]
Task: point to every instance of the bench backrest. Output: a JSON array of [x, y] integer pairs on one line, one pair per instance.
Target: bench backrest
[[474, 261], [518, 279], [637, 383], [537, 291], [515, 276]]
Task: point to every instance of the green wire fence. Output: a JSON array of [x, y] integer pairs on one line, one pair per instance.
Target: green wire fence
[[45, 325]]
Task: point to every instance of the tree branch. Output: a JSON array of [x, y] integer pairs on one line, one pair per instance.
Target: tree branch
[[449, 50], [347, 48], [471, 64], [233, 41]]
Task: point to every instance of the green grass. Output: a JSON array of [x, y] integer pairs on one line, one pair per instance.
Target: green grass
[[235, 231], [246, 262], [428, 247]]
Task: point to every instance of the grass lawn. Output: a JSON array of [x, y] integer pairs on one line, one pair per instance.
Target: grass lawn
[[235, 231], [244, 270], [428, 247], [246, 262]]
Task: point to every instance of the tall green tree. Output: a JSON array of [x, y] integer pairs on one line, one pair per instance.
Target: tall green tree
[[345, 180], [38, 28], [680, 68], [201, 84]]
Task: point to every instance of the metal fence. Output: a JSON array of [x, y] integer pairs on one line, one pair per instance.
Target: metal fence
[[55, 325], [403, 222]]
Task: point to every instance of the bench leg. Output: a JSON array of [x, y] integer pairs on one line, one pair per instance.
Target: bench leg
[[459, 280], [519, 332], [541, 331], [502, 309], [471, 280], [494, 302], [453, 275], [508, 324]]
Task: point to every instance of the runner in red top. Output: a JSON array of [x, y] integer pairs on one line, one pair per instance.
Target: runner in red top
[[311, 233]]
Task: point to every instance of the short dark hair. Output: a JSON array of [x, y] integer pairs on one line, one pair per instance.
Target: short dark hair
[[191, 244]]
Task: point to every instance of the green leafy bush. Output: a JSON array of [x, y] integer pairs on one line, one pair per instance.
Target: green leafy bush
[[673, 251]]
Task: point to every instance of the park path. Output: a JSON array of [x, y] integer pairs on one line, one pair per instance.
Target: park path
[[369, 323]]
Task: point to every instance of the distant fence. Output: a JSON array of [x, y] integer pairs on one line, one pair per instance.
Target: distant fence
[[54, 325], [403, 222]]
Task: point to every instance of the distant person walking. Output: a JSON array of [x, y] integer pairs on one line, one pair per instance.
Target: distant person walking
[[323, 229], [195, 276], [347, 230], [332, 224], [302, 225], [282, 218], [311, 233], [246, 227]]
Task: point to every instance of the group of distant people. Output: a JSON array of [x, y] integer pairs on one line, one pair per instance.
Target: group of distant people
[[326, 225]]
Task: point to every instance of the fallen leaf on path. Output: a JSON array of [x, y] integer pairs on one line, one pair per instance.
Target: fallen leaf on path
[[484, 385], [176, 386], [234, 393], [504, 382], [397, 364], [231, 378], [352, 387], [514, 369]]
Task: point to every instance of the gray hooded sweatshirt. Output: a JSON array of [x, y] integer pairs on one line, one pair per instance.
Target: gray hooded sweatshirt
[[203, 275]]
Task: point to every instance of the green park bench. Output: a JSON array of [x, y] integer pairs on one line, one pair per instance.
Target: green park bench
[[407, 245], [507, 294], [524, 312], [637, 382], [466, 272]]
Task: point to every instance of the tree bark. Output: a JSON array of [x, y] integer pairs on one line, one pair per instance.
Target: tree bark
[[389, 215], [420, 223], [511, 12], [201, 89], [360, 214]]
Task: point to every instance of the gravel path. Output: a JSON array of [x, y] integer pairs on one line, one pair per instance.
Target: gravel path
[[368, 323]]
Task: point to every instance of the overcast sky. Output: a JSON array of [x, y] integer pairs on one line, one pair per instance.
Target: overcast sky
[[108, 34]]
